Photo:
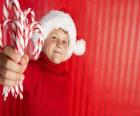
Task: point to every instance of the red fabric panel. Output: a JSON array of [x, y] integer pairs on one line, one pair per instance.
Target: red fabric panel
[[106, 80]]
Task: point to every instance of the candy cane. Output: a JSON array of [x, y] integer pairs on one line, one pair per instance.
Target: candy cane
[[1, 45], [6, 9], [21, 30]]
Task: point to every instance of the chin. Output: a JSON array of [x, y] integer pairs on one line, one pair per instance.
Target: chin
[[57, 61]]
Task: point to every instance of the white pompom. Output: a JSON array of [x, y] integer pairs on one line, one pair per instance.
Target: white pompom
[[80, 47]]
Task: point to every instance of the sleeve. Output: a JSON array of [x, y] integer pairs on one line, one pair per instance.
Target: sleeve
[[32, 76]]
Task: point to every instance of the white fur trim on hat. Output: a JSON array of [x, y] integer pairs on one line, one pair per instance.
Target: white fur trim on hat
[[58, 19]]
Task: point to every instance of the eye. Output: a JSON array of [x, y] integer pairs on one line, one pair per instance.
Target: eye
[[53, 37], [65, 42]]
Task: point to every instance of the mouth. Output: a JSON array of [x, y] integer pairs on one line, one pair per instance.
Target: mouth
[[57, 52]]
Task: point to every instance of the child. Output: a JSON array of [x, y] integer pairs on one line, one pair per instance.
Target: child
[[47, 86]]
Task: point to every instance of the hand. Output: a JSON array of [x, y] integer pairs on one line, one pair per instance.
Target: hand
[[12, 66]]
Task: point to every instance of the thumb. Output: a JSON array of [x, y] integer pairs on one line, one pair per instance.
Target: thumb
[[24, 59]]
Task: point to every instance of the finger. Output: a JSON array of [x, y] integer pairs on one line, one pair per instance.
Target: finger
[[11, 53], [10, 65], [24, 59], [11, 75], [6, 82]]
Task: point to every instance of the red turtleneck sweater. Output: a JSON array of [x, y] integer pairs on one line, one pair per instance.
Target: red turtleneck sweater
[[47, 91]]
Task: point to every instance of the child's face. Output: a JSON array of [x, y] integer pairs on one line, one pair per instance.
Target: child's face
[[56, 46]]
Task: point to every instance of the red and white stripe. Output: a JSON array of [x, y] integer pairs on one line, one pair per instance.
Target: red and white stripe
[[1, 45], [21, 30]]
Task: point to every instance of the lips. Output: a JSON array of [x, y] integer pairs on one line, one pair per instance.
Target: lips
[[58, 52]]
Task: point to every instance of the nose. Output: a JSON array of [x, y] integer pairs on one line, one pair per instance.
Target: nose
[[59, 44]]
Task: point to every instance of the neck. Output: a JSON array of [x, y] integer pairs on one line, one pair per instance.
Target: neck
[[55, 68]]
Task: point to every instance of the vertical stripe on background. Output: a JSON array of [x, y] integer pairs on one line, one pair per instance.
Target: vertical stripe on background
[[106, 80]]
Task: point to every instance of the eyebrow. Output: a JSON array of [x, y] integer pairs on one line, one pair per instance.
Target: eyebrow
[[53, 33], [63, 30]]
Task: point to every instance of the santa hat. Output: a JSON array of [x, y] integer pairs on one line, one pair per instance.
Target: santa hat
[[58, 19]]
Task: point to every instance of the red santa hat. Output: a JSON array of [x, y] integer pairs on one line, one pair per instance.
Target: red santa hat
[[58, 19]]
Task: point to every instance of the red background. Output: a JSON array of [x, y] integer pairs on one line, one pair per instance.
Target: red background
[[106, 80]]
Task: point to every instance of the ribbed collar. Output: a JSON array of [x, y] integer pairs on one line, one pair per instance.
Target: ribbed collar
[[54, 68]]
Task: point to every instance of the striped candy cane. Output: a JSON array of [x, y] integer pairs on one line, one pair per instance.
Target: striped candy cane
[[21, 30], [0, 37]]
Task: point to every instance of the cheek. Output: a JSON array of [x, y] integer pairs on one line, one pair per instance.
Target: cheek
[[65, 51], [47, 48]]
